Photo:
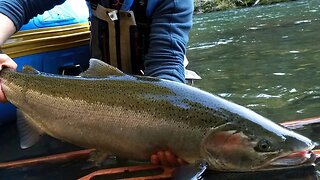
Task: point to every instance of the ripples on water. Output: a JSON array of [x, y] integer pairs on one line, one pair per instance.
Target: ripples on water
[[265, 58]]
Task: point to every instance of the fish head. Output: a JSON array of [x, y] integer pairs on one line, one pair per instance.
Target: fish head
[[257, 149]]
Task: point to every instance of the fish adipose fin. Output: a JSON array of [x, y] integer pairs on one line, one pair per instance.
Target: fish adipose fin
[[100, 69], [29, 135], [30, 70]]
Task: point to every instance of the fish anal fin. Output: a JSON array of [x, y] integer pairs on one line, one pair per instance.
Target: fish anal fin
[[99, 69], [30, 70], [29, 135]]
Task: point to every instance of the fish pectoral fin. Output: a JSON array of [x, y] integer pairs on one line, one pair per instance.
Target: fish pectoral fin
[[100, 158], [100, 69], [29, 135], [30, 70]]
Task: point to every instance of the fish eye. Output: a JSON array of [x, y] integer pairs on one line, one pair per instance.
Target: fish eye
[[263, 146]]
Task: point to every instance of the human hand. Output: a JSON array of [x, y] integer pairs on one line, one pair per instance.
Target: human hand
[[5, 61], [166, 158]]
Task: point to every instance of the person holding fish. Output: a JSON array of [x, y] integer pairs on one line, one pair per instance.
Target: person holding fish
[[166, 23]]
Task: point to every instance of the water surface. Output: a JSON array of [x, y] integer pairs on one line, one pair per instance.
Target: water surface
[[265, 58]]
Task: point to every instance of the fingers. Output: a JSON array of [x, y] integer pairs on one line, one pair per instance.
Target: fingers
[[2, 96], [6, 61], [171, 158], [182, 162], [163, 159], [154, 159], [166, 158]]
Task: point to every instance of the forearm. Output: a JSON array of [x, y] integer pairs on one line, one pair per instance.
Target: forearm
[[171, 23], [7, 28], [21, 11]]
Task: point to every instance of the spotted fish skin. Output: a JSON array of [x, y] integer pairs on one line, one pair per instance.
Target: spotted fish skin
[[131, 116]]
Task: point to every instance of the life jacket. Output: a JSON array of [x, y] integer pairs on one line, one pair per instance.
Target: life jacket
[[119, 33]]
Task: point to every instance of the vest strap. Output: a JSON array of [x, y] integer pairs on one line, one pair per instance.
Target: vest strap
[[117, 38], [108, 15], [127, 21]]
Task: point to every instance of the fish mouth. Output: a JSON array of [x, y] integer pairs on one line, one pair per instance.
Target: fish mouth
[[305, 157], [288, 161]]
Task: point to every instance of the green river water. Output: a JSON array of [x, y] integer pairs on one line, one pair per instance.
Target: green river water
[[265, 58]]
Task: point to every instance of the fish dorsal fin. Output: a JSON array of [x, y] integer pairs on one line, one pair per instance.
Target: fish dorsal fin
[[99, 68], [30, 70], [29, 135]]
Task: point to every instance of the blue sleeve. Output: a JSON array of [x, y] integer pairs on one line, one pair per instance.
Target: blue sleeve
[[21, 11], [171, 21]]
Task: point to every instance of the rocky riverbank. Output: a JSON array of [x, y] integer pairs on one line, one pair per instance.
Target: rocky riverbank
[[203, 6]]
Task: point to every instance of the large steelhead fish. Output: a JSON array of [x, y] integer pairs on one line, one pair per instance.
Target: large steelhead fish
[[134, 117]]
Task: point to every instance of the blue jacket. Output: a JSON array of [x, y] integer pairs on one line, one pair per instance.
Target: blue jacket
[[171, 21]]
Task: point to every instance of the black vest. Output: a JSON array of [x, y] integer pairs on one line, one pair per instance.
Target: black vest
[[119, 38]]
